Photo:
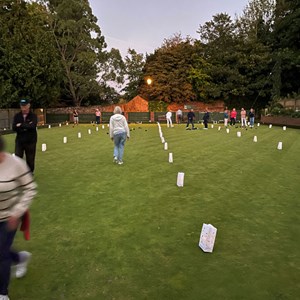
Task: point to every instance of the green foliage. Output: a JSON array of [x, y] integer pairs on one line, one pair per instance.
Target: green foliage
[[29, 65], [80, 45], [158, 106], [169, 68], [134, 64]]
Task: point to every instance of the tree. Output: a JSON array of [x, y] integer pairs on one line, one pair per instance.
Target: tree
[[134, 65], [29, 65], [217, 59], [80, 45], [169, 68], [286, 48]]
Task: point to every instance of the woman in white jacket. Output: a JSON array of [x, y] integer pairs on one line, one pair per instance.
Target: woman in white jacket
[[118, 131]]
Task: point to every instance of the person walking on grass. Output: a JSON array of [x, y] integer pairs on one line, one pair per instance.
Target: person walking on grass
[[243, 118], [206, 119], [226, 116], [98, 115], [118, 131], [190, 117], [251, 117], [75, 117], [233, 114], [25, 124], [169, 119], [179, 116], [17, 190]]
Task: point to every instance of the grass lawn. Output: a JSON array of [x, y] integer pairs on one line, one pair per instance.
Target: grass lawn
[[106, 231]]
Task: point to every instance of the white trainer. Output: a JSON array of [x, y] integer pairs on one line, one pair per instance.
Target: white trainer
[[120, 162], [21, 268], [4, 297], [115, 159]]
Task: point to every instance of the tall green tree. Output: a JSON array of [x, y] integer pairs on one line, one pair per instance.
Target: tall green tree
[[134, 65], [169, 68], [80, 45], [217, 58], [286, 48], [29, 65]]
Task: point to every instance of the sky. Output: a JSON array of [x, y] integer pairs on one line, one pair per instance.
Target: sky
[[143, 25]]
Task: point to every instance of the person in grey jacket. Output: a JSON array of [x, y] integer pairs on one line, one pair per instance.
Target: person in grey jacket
[[17, 189], [118, 131]]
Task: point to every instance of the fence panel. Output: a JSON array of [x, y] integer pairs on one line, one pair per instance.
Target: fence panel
[[57, 118], [139, 117]]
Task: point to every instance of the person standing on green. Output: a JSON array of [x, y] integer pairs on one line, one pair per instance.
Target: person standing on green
[[25, 124]]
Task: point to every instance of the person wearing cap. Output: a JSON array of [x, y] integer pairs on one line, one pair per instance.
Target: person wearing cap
[[25, 124], [17, 190]]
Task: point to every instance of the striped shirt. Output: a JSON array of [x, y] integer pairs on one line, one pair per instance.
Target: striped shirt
[[17, 188]]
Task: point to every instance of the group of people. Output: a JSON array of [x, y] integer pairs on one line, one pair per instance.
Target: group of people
[[190, 118], [76, 117], [233, 115], [18, 188]]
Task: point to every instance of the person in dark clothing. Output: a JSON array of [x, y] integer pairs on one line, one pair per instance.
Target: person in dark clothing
[[190, 118], [206, 118], [24, 124]]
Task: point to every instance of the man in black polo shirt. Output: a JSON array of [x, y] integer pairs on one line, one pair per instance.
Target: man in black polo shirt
[[24, 124]]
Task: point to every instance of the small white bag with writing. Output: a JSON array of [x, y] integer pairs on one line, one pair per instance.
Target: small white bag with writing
[[207, 237]]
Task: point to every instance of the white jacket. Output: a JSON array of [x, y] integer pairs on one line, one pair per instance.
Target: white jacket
[[118, 124]]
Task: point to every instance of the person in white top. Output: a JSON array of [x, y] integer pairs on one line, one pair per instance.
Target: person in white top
[[17, 189], [118, 131], [169, 119], [179, 116]]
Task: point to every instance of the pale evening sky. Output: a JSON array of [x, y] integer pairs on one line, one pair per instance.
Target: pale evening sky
[[143, 25]]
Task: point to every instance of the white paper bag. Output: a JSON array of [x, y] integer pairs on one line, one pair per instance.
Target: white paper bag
[[284, 127], [239, 134], [227, 130], [279, 147], [207, 237], [170, 157], [166, 146], [270, 126], [97, 129], [162, 140], [219, 128], [212, 126], [180, 179], [79, 135], [258, 124], [44, 147], [255, 139], [102, 126], [59, 125], [89, 131], [49, 126], [65, 140]]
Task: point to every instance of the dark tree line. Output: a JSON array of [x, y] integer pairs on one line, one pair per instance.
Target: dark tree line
[[53, 52]]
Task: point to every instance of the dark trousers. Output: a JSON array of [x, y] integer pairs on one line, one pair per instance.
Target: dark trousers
[[232, 121], [190, 122], [205, 123], [7, 256], [29, 149], [97, 119]]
